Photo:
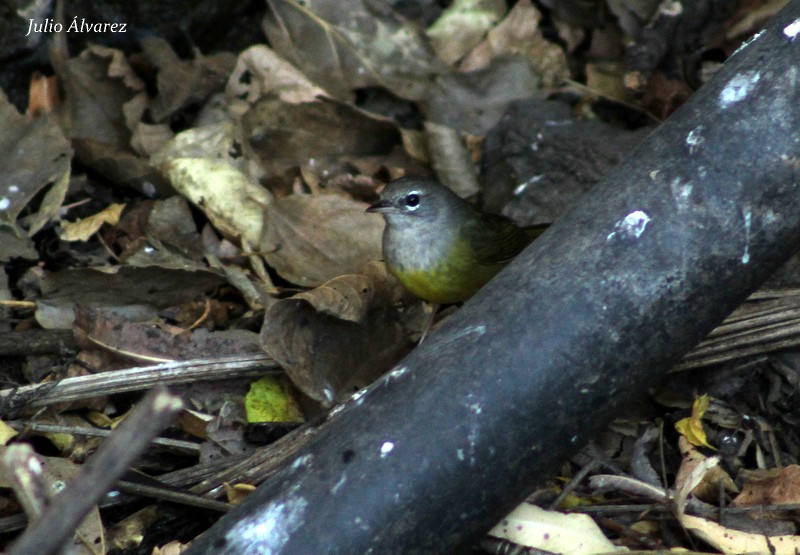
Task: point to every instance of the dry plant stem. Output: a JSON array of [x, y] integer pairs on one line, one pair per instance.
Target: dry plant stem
[[661, 508], [186, 477], [173, 496], [635, 487], [134, 379], [203, 317], [429, 322], [769, 321], [187, 447], [259, 466], [573, 483], [617, 528], [177, 479], [59, 521]]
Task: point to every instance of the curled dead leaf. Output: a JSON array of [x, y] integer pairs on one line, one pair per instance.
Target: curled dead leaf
[[83, 229], [269, 73], [338, 337], [312, 239], [233, 203], [347, 297]]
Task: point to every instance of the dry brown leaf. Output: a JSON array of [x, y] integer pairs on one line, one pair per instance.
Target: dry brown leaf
[[269, 73], [451, 159], [347, 297], [129, 532], [148, 138], [519, 33], [782, 488], [755, 19], [351, 296], [476, 101], [282, 136], [350, 338], [607, 79], [36, 155], [662, 95], [15, 245], [121, 165], [345, 49], [153, 342], [183, 82], [237, 493], [6, 433], [194, 422], [136, 292], [159, 233], [97, 85], [172, 548], [312, 239]]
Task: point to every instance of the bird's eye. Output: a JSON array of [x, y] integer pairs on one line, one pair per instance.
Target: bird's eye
[[412, 200]]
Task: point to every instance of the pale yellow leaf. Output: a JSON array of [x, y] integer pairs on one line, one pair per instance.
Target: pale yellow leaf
[[734, 542], [552, 531], [82, 230]]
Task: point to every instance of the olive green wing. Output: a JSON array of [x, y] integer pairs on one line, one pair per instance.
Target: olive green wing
[[496, 240]]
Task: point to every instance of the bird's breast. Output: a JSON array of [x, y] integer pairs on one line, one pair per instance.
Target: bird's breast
[[439, 268]]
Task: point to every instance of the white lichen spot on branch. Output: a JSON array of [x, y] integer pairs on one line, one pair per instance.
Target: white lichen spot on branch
[[792, 29], [630, 227], [738, 88]]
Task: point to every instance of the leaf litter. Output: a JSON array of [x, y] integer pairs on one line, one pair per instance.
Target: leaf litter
[[173, 205]]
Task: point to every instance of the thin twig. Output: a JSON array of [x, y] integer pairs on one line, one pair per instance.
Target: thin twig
[[260, 465], [134, 379], [60, 520], [182, 478], [187, 447], [174, 496]]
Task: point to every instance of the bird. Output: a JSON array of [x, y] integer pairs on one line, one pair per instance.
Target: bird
[[438, 245]]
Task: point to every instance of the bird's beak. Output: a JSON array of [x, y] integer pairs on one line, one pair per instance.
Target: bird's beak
[[382, 206]]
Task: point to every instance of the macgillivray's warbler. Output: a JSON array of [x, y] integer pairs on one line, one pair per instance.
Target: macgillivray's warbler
[[439, 246]]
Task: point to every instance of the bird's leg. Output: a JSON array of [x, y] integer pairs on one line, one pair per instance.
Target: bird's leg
[[428, 321]]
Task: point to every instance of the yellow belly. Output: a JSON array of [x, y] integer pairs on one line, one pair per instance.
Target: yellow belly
[[445, 284], [441, 268]]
